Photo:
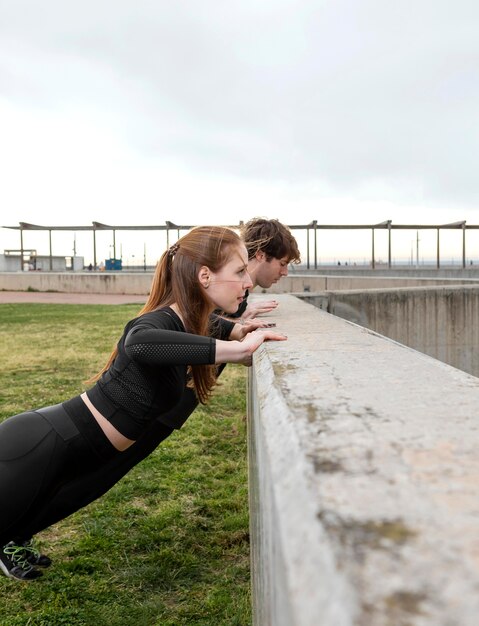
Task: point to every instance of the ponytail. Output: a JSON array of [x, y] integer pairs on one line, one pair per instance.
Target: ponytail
[[176, 281]]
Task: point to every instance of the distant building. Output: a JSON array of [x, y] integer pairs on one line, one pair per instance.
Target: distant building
[[10, 261]]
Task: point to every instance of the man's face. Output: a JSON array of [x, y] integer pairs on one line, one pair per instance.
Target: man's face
[[269, 272]]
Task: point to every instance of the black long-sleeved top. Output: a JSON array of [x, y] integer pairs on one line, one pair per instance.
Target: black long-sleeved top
[[149, 373]]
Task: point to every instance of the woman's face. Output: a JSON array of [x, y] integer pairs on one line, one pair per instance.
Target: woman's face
[[227, 286]]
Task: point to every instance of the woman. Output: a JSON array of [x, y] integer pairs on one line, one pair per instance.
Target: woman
[[163, 352]]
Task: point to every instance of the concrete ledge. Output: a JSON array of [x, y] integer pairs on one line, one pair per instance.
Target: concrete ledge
[[363, 475]]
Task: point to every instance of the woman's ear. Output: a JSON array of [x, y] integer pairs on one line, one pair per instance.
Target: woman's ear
[[204, 276]]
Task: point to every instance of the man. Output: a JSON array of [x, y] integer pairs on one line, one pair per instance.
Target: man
[[271, 247]]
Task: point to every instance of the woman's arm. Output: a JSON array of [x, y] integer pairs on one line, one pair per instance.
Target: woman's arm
[[155, 346]]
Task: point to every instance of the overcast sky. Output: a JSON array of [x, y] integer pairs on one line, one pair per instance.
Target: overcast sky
[[137, 112]]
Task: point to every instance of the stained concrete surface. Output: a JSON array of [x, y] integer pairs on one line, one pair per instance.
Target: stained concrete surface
[[364, 479]]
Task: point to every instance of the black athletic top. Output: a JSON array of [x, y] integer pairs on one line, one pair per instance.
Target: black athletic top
[[149, 373], [242, 306]]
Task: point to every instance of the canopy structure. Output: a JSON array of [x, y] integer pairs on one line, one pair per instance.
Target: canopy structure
[[389, 226], [311, 230], [95, 226]]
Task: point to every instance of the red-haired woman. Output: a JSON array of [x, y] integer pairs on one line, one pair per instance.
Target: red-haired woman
[[167, 349]]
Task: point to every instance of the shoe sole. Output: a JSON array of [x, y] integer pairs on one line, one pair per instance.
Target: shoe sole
[[8, 574], [5, 571]]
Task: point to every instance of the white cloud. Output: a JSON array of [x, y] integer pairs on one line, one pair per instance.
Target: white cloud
[[338, 111]]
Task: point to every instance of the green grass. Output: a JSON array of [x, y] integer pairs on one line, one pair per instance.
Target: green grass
[[169, 544]]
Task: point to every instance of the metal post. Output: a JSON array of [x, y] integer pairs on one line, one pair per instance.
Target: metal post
[[50, 242], [463, 245], [21, 247], [315, 245], [114, 245], [389, 244], [417, 249], [438, 260], [307, 247], [94, 247], [372, 253]]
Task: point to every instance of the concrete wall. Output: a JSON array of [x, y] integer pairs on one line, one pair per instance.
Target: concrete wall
[[363, 475], [313, 283], [470, 271], [139, 282], [441, 322], [78, 282]]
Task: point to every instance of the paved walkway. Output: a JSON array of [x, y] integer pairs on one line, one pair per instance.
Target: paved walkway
[[45, 297]]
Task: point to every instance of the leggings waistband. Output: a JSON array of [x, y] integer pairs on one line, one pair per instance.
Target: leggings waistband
[[60, 420], [89, 428]]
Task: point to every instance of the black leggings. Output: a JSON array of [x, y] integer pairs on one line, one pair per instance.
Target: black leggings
[[80, 481], [81, 490], [40, 451]]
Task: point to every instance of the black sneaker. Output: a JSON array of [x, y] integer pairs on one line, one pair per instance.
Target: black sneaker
[[33, 556], [14, 564]]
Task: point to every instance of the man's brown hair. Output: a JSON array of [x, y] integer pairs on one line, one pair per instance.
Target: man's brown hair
[[271, 237]]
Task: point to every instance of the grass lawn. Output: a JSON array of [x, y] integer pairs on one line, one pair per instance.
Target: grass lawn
[[169, 544]]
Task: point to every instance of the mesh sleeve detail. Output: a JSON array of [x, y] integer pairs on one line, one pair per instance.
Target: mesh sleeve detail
[[154, 346]]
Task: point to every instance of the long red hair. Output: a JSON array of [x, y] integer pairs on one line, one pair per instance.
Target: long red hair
[[176, 281]]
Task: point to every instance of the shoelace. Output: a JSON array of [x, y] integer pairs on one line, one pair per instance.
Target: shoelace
[[28, 545], [17, 556]]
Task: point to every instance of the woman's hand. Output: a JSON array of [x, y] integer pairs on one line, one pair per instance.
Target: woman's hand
[[255, 338], [242, 351]]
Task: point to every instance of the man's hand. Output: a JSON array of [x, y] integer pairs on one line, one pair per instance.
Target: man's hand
[[258, 308], [240, 330]]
